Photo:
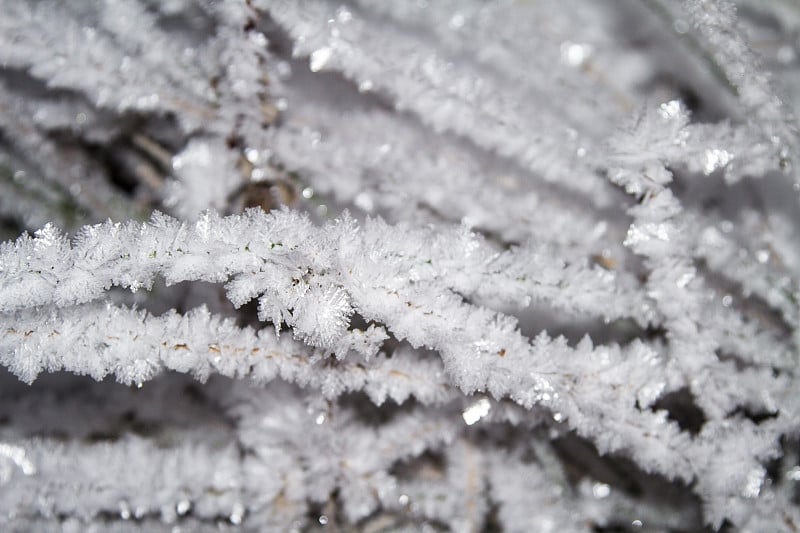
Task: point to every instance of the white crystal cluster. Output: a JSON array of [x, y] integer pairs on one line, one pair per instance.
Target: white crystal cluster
[[278, 265]]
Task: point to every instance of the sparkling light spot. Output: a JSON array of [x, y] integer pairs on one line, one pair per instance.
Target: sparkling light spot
[[575, 54], [476, 411], [319, 58], [715, 159], [252, 155], [601, 490], [670, 109]]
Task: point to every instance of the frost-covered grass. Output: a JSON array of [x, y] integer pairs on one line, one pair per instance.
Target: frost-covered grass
[[399, 266]]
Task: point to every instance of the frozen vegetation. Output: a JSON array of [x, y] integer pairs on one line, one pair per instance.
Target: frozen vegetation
[[509, 266]]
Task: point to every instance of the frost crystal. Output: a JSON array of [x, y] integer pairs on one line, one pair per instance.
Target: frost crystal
[[399, 266]]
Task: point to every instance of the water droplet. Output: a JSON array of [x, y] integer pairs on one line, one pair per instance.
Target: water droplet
[[308, 192], [762, 256], [124, 511], [323, 519], [322, 210], [727, 300], [365, 86], [319, 58], [320, 419], [637, 524], [403, 499], [80, 118]]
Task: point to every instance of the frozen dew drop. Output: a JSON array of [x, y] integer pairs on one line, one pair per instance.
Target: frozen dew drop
[[715, 159], [680, 26], [18, 456], [252, 155], [636, 524], [80, 118], [323, 519], [762, 256], [308, 192], [124, 511], [320, 419], [727, 300], [476, 411], [259, 39], [237, 514], [183, 507], [574, 54], [365, 86], [601, 490], [403, 499], [793, 474], [322, 210], [670, 109], [319, 58]]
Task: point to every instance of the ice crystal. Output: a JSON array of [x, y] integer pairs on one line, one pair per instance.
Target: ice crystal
[[399, 266]]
